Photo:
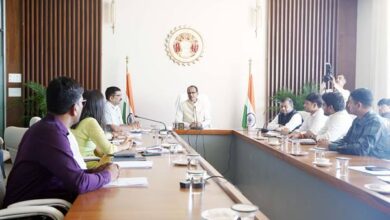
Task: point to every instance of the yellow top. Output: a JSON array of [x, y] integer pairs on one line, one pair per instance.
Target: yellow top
[[89, 134]]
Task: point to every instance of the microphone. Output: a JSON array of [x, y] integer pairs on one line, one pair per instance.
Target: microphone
[[196, 119], [148, 119]]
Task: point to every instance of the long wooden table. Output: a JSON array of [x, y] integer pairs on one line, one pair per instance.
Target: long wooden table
[[286, 186], [163, 198]]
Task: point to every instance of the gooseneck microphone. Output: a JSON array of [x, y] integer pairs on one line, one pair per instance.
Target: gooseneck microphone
[[148, 119]]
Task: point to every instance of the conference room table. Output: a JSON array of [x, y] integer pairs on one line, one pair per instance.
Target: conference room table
[[162, 198], [285, 186]]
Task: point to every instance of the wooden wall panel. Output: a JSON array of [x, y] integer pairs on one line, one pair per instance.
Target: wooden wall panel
[[57, 38], [62, 38], [303, 35], [13, 60]]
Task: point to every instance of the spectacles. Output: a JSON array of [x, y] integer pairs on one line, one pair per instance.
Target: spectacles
[[189, 93]]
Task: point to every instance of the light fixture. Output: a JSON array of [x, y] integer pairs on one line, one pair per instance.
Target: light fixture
[[109, 13], [257, 16], [113, 15]]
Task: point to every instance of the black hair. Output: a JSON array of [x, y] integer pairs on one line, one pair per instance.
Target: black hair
[[363, 96], [289, 100], [196, 88], [334, 99], [314, 98], [110, 91], [384, 102], [61, 94], [94, 107]]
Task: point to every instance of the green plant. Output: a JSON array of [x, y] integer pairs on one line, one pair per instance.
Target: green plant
[[298, 98], [35, 102]]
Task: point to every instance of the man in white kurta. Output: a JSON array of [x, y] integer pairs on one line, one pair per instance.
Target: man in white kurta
[[339, 121], [194, 112], [316, 119]]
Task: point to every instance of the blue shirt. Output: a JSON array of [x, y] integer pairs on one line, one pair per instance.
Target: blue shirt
[[44, 166], [367, 136]]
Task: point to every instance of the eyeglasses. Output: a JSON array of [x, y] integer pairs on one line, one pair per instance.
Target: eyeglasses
[[189, 93]]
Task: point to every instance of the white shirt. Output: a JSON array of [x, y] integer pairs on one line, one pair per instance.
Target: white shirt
[[188, 112], [294, 122], [74, 146], [112, 114], [314, 122], [345, 93], [336, 126]]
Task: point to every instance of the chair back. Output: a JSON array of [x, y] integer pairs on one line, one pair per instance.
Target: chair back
[[12, 137], [2, 190]]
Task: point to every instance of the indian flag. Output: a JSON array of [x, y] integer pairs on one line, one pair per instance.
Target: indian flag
[[130, 99], [249, 116]]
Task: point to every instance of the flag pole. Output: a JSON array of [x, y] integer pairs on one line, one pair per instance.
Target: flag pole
[[250, 66], [127, 64], [124, 117]]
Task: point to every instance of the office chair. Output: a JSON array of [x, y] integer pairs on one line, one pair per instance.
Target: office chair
[[49, 208], [12, 137]]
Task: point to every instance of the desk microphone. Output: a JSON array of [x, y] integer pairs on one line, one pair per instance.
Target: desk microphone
[[196, 120], [148, 119]]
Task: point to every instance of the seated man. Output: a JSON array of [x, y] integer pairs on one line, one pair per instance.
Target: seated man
[[368, 134], [113, 113], [339, 121], [194, 112], [315, 121], [384, 108], [288, 118], [44, 166]]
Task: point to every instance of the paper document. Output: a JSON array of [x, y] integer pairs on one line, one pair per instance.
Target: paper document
[[364, 170], [91, 158], [135, 164], [307, 141], [128, 182]]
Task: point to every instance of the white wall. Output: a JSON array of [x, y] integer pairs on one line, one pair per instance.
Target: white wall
[[373, 47], [227, 28]]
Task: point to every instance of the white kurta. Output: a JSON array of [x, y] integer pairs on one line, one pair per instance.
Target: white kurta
[[314, 122], [188, 112], [336, 126]]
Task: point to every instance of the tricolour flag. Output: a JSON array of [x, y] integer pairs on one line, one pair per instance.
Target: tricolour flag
[[249, 116], [128, 106]]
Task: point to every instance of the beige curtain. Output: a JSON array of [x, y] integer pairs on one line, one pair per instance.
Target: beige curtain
[[373, 47]]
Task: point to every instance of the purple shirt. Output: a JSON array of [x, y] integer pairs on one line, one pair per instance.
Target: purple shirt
[[44, 166]]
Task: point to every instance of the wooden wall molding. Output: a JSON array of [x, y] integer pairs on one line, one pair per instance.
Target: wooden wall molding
[[303, 35]]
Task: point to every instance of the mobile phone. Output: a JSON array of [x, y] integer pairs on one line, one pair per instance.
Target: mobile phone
[[375, 168]]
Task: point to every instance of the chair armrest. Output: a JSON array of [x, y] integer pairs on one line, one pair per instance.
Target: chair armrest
[[60, 204], [27, 211]]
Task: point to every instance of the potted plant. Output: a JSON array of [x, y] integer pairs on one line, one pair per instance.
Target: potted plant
[[298, 98], [35, 103]]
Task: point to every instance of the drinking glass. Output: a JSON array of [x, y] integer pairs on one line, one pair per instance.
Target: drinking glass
[[342, 164], [296, 146], [284, 143], [245, 211], [319, 153]]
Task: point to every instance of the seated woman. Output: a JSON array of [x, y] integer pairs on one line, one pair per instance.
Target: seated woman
[[89, 131]]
